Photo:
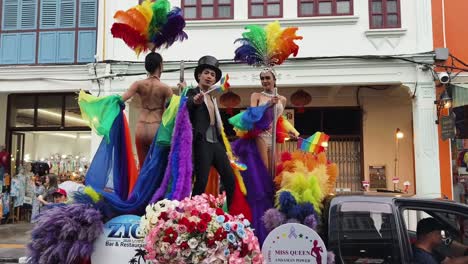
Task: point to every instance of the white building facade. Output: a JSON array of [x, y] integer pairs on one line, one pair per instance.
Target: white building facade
[[361, 61]]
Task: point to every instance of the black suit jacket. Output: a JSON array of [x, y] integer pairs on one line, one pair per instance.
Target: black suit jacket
[[199, 116]]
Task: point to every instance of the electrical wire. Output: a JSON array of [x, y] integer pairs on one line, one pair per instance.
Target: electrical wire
[[225, 62], [358, 102]]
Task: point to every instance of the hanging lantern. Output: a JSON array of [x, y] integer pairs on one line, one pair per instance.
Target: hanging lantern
[[230, 100], [300, 98]]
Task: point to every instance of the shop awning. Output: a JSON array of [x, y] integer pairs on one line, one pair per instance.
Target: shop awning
[[459, 94]]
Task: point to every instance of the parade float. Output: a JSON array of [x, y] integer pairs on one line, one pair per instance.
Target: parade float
[[147, 215]]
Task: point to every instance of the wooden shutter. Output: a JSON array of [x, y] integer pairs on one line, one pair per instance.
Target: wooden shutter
[[27, 48], [86, 45], [48, 13], [28, 14], [88, 13], [47, 47], [67, 13], [66, 47], [9, 48], [10, 14]]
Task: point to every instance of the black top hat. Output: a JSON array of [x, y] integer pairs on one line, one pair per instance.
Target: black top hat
[[209, 62]]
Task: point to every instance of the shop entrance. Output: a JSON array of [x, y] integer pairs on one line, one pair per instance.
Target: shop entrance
[[47, 128]]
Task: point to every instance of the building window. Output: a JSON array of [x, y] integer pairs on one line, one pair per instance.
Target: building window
[[307, 8], [208, 9], [265, 8], [48, 31], [43, 111], [384, 13]]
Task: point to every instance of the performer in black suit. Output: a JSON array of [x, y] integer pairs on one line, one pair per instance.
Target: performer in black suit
[[208, 147]]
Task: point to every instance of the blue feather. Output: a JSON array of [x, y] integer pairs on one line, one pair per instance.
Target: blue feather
[[286, 202]]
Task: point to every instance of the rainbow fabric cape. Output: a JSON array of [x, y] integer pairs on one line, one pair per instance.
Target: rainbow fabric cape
[[255, 120], [112, 172], [150, 25]]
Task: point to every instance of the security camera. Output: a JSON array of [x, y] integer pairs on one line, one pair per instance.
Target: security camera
[[444, 77]]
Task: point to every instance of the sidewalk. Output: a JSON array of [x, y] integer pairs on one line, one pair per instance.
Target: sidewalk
[[13, 240]]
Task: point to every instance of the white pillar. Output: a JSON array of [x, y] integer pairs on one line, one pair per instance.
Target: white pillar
[[426, 140]]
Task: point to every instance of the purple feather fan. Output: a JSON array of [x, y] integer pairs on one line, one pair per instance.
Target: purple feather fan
[[172, 31], [65, 235]]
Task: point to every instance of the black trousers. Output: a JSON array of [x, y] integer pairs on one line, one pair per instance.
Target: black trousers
[[212, 154]]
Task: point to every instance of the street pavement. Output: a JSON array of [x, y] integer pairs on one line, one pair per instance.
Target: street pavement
[[13, 241]]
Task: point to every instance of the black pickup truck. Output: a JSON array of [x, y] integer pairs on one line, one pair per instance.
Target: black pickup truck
[[381, 229]]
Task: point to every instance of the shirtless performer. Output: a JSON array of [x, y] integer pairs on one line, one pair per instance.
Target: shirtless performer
[[153, 94]]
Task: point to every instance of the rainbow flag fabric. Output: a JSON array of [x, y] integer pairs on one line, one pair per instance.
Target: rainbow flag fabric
[[315, 143]]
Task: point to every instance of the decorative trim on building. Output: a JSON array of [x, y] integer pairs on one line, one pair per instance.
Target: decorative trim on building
[[328, 21], [380, 37]]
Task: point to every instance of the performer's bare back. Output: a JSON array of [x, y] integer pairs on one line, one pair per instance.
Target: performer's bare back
[[153, 96]]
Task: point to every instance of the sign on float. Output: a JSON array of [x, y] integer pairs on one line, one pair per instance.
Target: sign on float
[[294, 243], [121, 242]]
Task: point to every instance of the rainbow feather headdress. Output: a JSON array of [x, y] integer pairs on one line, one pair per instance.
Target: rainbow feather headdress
[[268, 46], [150, 25]]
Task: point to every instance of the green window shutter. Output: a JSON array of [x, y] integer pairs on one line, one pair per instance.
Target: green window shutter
[[28, 14], [48, 14], [10, 15], [88, 13], [67, 13]]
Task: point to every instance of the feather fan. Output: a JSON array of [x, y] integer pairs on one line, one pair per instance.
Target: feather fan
[[267, 46], [150, 25]]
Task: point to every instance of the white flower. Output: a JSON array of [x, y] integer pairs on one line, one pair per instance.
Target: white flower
[[186, 252], [193, 243], [154, 219], [149, 209]]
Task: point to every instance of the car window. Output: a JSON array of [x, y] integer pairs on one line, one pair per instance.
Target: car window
[[367, 233], [454, 236]]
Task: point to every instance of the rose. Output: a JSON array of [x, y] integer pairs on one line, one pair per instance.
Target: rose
[[181, 229], [220, 234], [205, 217], [184, 245], [164, 216], [201, 227], [191, 227], [195, 213], [219, 211], [171, 235]]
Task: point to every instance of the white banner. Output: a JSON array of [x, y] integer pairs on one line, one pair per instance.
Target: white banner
[[294, 243]]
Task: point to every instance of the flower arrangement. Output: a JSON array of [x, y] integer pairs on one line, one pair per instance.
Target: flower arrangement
[[197, 230]]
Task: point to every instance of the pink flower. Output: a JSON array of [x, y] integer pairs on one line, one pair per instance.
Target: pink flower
[[181, 229]]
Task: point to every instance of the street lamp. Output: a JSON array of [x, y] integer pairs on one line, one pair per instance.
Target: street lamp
[[398, 135]]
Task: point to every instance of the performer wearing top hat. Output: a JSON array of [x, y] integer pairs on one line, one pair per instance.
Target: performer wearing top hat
[[208, 147]]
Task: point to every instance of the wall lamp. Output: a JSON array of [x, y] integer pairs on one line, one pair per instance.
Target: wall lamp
[[445, 102]]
